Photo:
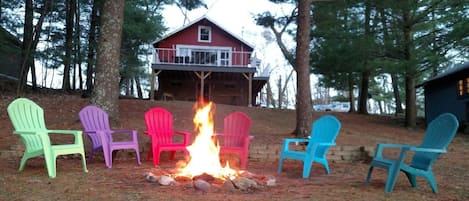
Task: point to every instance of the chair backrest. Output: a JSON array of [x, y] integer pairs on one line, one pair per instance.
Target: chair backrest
[[236, 128], [26, 115], [159, 124], [440, 132], [94, 118], [324, 129]]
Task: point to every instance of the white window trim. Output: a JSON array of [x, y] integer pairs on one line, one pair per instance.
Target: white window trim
[[217, 48], [209, 34]]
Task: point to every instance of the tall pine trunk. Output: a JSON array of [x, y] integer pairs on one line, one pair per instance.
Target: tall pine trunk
[[26, 55], [303, 99], [106, 90], [90, 61], [69, 25]]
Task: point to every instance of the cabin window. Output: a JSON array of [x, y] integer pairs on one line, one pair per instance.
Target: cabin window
[[460, 87], [205, 34], [463, 87]]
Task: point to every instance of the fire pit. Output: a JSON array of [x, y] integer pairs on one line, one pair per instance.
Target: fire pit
[[203, 168]]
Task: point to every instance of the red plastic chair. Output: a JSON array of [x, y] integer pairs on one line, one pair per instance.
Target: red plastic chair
[[159, 124], [235, 137], [95, 123]]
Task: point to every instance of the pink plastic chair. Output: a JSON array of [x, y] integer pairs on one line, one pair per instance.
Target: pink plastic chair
[[95, 122], [159, 124], [235, 137]]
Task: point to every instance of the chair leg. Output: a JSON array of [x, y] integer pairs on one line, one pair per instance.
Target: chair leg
[[83, 162], [280, 164], [22, 163], [368, 177], [307, 168], [50, 164], [243, 159], [326, 167], [137, 152], [412, 179], [431, 180], [156, 157], [393, 172]]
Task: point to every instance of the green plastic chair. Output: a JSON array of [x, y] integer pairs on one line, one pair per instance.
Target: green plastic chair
[[28, 120], [439, 134]]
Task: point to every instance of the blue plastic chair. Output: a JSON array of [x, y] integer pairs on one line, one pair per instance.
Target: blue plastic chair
[[323, 135], [440, 132]]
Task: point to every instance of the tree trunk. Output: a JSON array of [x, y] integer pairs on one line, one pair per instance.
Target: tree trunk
[[303, 99], [78, 59], [90, 63], [69, 25], [397, 96], [26, 55], [410, 102], [106, 91], [280, 97], [270, 99], [139, 88], [350, 93], [411, 107], [363, 97]]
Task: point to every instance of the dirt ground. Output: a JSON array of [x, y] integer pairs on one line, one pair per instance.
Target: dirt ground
[[126, 180]]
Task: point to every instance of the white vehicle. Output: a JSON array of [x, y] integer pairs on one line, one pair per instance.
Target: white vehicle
[[336, 107]]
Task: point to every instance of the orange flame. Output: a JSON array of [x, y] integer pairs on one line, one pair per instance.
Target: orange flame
[[204, 151]]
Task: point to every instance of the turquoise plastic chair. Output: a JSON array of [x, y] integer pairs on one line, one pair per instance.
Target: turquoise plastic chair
[[28, 120], [323, 135], [440, 132]]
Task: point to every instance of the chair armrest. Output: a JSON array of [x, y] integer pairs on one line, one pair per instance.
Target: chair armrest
[[25, 132], [73, 132], [287, 141], [326, 144], [131, 132], [122, 131], [420, 149], [184, 134], [380, 147], [77, 133]]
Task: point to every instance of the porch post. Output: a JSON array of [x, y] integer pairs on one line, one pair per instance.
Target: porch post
[[202, 77], [249, 78]]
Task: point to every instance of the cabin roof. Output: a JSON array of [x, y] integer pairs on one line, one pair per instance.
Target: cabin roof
[[198, 20], [448, 72]]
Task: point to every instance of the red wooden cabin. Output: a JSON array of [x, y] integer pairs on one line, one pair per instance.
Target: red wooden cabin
[[202, 58]]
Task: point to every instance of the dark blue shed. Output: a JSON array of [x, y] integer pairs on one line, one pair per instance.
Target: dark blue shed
[[448, 92]]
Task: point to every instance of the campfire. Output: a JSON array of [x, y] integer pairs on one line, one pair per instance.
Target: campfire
[[203, 167], [204, 151]]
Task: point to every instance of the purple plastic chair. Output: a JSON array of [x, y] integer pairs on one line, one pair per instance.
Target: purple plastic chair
[[95, 122]]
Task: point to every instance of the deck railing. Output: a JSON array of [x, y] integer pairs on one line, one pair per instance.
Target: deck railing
[[206, 57]]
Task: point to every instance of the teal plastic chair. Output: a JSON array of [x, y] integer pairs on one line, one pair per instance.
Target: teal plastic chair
[[28, 120], [440, 132], [323, 135]]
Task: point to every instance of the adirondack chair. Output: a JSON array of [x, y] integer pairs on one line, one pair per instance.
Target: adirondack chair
[[440, 132], [28, 120], [323, 135], [95, 122], [235, 137], [159, 123]]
